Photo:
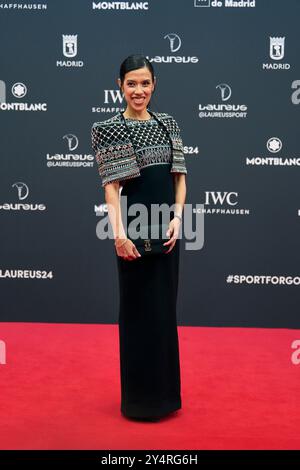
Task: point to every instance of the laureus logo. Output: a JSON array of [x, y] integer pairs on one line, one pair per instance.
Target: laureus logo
[[225, 91], [223, 110], [22, 190], [175, 44], [70, 158], [72, 141], [174, 40]]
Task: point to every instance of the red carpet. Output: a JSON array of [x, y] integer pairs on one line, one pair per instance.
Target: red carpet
[[60, 390]]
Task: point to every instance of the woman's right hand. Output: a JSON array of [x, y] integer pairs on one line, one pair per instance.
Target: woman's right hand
[[128, 251]]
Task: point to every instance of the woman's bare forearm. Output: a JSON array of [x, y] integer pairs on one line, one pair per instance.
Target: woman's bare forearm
[[112, 199], [180, 192]]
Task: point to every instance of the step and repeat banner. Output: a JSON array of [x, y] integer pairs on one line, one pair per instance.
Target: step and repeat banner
[[229, 73]]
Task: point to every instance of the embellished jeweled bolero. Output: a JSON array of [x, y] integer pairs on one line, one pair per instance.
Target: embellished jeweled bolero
[[116, 157]]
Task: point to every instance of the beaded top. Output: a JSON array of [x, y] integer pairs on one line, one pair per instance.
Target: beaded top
[[151, 141], [121, 155]]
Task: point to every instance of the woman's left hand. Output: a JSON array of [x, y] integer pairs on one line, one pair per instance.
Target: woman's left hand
[[173, 232]]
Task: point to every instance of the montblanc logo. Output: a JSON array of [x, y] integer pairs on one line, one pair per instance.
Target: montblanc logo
[[221, 203], [175, 43], [69, 49], [276, 53], [134, 6], [113, 101], [274, 145], [295, 97], [22, 191], [70, 158], [224, 109], [225, 3], [19, 91]]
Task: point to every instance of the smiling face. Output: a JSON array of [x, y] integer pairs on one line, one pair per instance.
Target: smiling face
[[138, 87]]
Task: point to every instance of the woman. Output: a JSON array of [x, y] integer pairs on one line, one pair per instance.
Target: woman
[[140, 155]]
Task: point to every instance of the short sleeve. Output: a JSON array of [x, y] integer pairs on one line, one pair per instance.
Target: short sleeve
[[179, 163], [113, 152]]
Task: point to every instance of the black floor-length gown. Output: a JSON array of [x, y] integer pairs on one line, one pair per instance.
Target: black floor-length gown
[[148, 337]]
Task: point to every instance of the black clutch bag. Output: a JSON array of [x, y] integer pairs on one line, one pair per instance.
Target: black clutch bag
[[150, 239]]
